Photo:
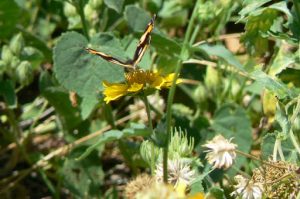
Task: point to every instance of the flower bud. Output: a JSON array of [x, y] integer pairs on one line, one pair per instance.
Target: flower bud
[[88, 12], [24, 73], [180, 146], [200, 94], [212, 80], [145, 150], [95, 4], [15, 61], [16, 44], [6, 54], [69, 10]]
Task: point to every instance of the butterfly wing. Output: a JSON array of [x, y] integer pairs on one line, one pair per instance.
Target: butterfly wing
[[143, 43], [109, 58]]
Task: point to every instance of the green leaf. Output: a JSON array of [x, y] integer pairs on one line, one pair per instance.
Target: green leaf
[[253, 6], [257, 26], [9, 17], [216, 193], [222, 52], [80, 71], [87, 105], [282, 118], [137, 18], [116, 5], [232, 121], [84, 178], [267, 146], [282, 60], [8, 93], [112, 135], [280, 89], [165, 46], [59, 99]]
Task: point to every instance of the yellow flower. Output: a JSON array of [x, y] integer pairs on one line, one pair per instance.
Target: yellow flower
[[137, 81]]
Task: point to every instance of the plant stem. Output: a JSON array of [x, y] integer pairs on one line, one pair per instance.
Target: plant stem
[[172, 90], [292, 136], [79, 7], [147, 105]]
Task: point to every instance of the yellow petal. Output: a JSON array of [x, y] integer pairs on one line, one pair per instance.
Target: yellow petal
[[114, 91], [169, 80], [135, 87], [158, 82]]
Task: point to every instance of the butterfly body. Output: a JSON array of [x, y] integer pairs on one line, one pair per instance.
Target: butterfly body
[[139, 52]]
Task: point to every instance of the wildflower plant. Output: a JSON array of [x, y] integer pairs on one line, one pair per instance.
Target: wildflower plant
[[80, 112]]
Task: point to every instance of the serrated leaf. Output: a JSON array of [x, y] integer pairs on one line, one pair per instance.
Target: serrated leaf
[[79, 71], [257, 26], [232, 121], [8, 93], [116, 5], [112, 135], [280, 89], [222, 52], [282, 60], [252, 6], [136, 17], [9, 17]]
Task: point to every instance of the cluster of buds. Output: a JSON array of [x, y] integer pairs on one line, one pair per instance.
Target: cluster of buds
[[11, 65]]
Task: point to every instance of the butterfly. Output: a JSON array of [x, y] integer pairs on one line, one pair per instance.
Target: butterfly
[[141, 48]]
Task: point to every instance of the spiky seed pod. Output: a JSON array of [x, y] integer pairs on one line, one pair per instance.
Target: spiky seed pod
[[139, 184]]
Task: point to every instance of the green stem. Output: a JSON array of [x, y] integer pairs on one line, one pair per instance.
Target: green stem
[[173, 88], [292, 136], [79, 7], [147, 105]]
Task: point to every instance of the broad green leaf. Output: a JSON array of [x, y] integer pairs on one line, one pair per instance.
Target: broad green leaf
[[87, 105], [280, 89], [9, 17], [222, 52], [116, 5], [59, 99], [165, 45], [8, 93], [112, 135], [232, 121], [136, 17], [83, 178], [80, 71]]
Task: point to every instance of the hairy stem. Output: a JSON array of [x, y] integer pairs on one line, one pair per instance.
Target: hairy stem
[[173, 88]]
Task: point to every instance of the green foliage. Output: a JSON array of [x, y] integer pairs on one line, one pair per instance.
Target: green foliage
[[239, 68]]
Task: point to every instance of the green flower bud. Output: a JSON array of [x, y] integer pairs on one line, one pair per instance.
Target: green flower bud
[[146, 149], [69, 10], [95, 4], [212, 79], [200, 94], [15, 61], [16, 44], [88, 12], [6, 54], [24, 73], [180, 146]]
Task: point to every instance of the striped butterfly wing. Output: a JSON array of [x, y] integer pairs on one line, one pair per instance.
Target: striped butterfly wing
[[144, 43]]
